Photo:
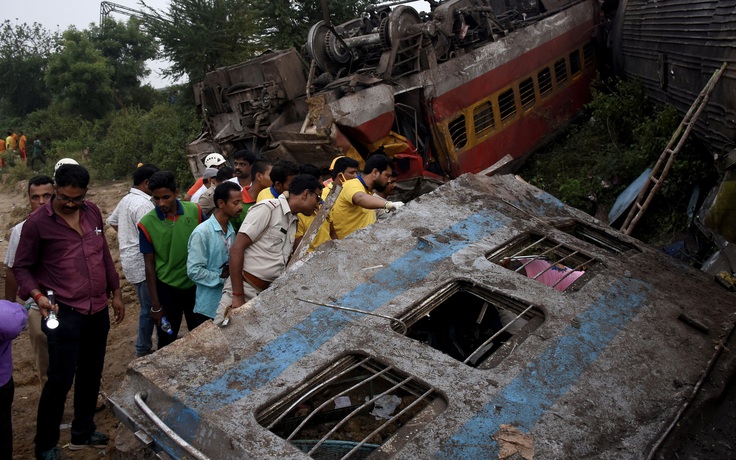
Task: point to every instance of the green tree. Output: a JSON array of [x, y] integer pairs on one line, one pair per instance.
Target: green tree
[[127, 47], [80, 77], [24, 55], [198, 36]]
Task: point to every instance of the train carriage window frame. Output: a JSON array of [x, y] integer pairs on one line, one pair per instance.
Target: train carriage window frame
[[561, 75], [576, 66], [597, 237], [484, 120], [320, 415], [458, 132], [481, 333], [527, 94], [507, 105], [588, 55], [544, 82]]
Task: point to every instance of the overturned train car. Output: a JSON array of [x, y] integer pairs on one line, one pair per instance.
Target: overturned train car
[[469, 85], [673, 47], [508, 322]]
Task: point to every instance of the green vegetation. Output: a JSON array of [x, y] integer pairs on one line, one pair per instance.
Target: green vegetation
[[597, 159]]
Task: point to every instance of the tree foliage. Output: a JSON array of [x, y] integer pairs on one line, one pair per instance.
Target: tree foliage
[[24, 54], [80, 77], [198, 36]]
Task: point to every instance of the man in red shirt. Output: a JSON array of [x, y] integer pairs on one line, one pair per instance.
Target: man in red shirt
[[63, 250]]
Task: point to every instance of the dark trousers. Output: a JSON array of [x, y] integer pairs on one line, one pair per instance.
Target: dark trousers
[[176, 302], [76, 354], [6, 427]]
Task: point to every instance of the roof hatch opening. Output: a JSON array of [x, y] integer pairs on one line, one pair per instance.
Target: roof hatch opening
[[352, 409], [472, 324], [545, 260], [597, 237]]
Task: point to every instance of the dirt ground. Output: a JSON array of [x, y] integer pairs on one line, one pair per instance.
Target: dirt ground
[[120, 342], [709, 435]]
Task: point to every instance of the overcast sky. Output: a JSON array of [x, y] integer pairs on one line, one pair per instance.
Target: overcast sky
[[58, 15]]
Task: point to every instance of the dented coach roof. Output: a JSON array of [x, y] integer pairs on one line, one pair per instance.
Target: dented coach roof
[[602, 368]]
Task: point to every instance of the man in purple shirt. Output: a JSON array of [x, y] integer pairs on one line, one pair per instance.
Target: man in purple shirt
[[13, 319], [63, 249]]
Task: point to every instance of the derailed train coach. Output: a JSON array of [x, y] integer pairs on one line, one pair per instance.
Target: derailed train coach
[[673, 47], [469, 85], [506, 324]]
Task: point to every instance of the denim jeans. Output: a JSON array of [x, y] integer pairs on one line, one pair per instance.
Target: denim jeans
[[144, 343], [76, 355]]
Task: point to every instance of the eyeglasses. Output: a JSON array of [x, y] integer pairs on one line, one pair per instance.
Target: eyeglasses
[[63, 198], [319, 197]]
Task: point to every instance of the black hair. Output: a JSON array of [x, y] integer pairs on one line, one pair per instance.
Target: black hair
[[222, 191], [143, 173], [162, 179], [341, 164], [260, 166], [303, 182], [282, 169], [224, 173], [72, 175], [309, 168], [245, 154], [39, 180], [376, 161]]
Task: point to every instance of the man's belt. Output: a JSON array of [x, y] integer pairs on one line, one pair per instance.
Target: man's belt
[[255, 281]]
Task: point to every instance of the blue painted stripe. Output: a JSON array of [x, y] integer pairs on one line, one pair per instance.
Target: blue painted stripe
[[322, 324], [527, 398]]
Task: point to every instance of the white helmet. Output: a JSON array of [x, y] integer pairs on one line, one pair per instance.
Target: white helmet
[[65, 161], [213, 159]]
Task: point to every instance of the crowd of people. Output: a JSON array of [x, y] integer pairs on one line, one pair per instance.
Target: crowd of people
[[192, 257], [14, 145]]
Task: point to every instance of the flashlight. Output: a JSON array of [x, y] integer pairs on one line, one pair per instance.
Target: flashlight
[[51, 321]]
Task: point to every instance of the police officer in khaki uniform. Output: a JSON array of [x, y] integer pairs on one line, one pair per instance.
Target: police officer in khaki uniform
[[265, 241]]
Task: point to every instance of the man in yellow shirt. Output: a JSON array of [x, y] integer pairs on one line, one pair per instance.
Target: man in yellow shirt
[[282, 172], [354, 208], [343, 169]]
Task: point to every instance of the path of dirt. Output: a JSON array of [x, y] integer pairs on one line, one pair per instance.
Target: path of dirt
[[120, 343]]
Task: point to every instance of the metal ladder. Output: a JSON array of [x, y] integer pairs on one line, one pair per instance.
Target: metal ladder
[[664, 163]]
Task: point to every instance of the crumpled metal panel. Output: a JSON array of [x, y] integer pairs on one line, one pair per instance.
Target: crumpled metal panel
[[604, 376]]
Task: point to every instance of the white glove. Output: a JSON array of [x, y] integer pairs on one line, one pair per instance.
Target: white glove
[[393, 205]]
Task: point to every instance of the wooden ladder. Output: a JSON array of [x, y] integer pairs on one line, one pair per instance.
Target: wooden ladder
[[663, 165]]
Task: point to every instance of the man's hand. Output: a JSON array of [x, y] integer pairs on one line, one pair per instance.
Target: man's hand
[[238, 300], [157, 315], [45, 306], [225, 271], [393, 205], [117, 306]]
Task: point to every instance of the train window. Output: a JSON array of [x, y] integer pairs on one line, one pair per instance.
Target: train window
[[575, 62], [335, 413], [545, 260], [483, 118], [526, 93], [458, 132], [471, 324], [507, 104], [597, 237], [588, 54], [560, 71], [544, 78]]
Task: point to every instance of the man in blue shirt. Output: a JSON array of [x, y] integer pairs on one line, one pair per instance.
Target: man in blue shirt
[[209, 250]]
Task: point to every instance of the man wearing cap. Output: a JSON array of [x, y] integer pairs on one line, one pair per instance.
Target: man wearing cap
[[207, 199], [124, 219], [264, 242], [207, 178], [212, 160]]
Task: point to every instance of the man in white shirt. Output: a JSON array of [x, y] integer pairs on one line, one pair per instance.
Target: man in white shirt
[[40, 190], [124, 219]]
